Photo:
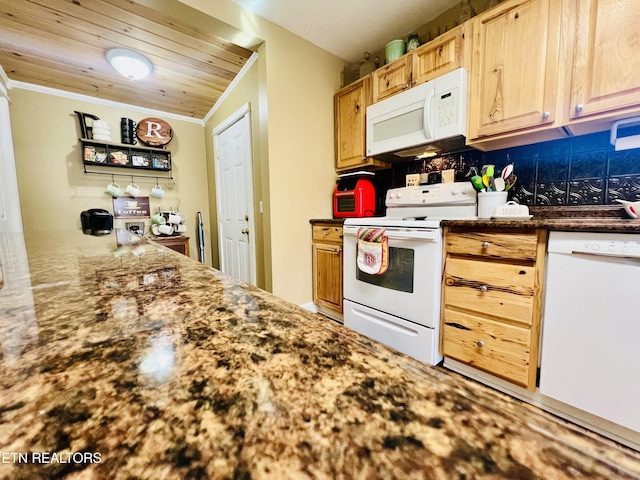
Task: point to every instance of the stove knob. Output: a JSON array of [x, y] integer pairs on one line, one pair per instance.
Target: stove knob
[[399, 194], [392, 195]]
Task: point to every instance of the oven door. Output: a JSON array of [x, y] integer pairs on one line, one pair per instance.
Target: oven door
[[410, 288]]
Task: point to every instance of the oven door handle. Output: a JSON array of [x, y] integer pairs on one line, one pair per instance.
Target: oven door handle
[[401, 234]]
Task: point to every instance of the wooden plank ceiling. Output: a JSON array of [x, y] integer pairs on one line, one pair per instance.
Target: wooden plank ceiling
[[62, 44]]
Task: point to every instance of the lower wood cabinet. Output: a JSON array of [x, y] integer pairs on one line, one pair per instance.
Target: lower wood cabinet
[[179, 243], [327, 269], [491, 300]]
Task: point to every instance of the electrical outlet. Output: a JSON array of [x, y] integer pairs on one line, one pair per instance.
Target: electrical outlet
[[413, 179]]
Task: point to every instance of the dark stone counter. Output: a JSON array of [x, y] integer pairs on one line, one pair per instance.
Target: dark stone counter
[[137, 362]]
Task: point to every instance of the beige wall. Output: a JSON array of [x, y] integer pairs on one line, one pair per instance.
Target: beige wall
[[295, 161], [247, 91], [300, 80], [53, 186]]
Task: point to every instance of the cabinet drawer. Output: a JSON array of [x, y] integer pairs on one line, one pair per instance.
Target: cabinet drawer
[[500, 349], [518, 246], [326, 233], [496, 289]]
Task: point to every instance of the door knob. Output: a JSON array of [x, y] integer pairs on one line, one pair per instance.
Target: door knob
[[245, 231]]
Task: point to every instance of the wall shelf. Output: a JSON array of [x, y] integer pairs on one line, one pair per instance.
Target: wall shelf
[[134, 157]]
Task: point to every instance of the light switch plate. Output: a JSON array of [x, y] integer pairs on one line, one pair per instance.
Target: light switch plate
[[413, 179]]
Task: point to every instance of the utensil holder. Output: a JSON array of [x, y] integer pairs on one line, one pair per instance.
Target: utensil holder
[[488, 201]]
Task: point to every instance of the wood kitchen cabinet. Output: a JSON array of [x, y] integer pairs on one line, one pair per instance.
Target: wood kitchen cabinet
[[179, 243], [605, 81], [491, 300], [435, 58], [350, 105], [327, 269], [516, 72]]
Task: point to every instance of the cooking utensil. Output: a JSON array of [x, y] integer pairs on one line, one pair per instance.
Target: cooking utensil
[[506, 171], [499, 184], [511, 181], [485, 180], [476, 181]]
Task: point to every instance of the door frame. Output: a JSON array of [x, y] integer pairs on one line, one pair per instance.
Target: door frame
[[243, 114], [10, 210]]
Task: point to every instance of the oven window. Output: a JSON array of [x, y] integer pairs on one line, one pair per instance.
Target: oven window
[[399, 274], [346, 204]]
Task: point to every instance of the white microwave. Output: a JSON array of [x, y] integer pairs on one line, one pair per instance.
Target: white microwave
[[425, 120]]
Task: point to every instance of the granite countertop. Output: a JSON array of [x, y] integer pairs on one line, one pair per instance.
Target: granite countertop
[[327, 221], [595, 218], [138, 362]]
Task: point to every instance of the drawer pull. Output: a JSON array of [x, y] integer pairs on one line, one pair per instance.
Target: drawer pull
[[457, 325], [485, 244], [484, 288], [480, 343]]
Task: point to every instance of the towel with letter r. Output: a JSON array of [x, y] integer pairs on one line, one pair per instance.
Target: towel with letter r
[[373, 250]]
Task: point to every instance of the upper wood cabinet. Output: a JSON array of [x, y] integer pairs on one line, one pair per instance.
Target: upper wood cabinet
[[435, 58], [606, 61], [442, 55], [392, 78], [350, 106], [515, 70]]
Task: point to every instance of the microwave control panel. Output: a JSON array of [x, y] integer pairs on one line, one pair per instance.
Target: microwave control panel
[[447, 108]]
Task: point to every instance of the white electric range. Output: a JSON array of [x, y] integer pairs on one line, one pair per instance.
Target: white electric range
[[401, 308]]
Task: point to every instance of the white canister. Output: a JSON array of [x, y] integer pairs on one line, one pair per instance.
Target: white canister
[[488, 201]]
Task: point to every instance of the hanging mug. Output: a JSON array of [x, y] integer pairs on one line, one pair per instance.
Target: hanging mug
[[113, 189], [157, 191], [132, 190]]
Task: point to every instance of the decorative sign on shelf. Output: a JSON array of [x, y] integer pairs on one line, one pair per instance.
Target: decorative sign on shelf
[[131, 207], [154, 132]]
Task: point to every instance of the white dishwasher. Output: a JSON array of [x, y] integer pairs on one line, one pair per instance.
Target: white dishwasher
[[590, 343]]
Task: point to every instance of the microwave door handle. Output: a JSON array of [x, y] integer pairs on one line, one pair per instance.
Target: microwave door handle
[[426, 111]]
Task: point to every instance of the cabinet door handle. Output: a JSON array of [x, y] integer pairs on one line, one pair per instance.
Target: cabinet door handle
[[484, 288], [546, 115], [579, 108], [485, 244]]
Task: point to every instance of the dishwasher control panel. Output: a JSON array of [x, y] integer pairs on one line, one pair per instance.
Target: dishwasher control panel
[[604, 244]]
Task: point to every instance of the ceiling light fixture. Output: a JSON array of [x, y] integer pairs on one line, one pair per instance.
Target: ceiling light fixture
[[131, 64]]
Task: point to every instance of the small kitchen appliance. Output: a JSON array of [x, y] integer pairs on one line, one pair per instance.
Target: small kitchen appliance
[[354, 196], [401, 307], [426, 119], [96, 221]]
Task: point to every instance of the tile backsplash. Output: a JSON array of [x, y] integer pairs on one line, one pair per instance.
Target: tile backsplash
[[583, 170]]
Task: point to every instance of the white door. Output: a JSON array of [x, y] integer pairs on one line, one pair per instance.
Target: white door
[[234, 194], [10, 216]]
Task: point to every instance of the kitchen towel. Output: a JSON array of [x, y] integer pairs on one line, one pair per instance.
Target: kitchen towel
[[373, 251]]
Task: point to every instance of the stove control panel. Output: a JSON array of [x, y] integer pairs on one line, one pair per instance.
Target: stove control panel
[[435, 194]]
